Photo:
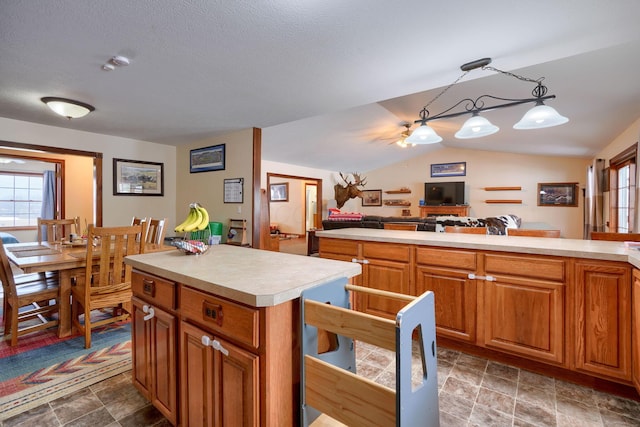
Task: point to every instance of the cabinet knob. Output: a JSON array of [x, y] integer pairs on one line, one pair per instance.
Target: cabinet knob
[[150, 312]]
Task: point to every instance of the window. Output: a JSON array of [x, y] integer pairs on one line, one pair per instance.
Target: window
[[20, 199], [622, 191]]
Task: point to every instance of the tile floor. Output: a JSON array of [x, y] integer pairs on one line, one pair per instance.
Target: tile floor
[[473, 392]]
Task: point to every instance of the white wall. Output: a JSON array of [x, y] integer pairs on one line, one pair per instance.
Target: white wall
[[117, 210]]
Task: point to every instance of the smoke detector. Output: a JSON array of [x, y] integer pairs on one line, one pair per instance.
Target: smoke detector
[[120, 61]]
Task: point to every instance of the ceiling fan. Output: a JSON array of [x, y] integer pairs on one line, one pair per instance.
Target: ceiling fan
[[402, 142]]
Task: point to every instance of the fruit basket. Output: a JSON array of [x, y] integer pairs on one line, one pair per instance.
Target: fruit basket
[[192, 247]]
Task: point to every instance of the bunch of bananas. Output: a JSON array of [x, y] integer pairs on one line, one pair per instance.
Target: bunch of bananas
[[198, 219]]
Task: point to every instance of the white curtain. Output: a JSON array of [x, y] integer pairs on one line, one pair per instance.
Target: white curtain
[[48, 198], [594, 203]]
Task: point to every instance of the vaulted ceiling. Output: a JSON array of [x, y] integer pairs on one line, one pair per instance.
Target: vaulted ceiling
[[329, 82]]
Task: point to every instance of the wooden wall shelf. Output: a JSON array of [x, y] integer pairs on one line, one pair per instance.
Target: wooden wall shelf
[[517, 202], [401, 191], [502, 188]]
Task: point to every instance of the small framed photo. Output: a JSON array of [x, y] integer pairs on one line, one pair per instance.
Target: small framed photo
[[137, 178], [207, 159], [371, 197], [279, 192], [558, 194], [448, 169]]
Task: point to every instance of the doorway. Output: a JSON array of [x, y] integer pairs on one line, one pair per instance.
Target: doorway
[[299, 213]]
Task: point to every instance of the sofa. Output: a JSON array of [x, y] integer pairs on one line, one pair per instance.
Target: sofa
[[495, 225]]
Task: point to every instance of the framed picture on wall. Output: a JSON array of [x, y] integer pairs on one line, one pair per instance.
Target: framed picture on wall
[[279, 192], [558, 194], [371, 197], [207, 159], [137, 178]]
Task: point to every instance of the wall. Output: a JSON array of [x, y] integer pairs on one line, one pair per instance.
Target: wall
[[289, 215], [207, 188], [117, 210], [327, 177], [484, 169], [489, 169]]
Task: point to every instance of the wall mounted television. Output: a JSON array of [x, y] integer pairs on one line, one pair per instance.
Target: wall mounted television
[[444, 193]]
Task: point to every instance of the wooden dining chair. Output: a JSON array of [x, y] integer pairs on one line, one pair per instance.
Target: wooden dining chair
[[57, 229], [532, 233], [106, 282], [400, 226], [616, 237], [156, 230], [29, 299], [467, 230]]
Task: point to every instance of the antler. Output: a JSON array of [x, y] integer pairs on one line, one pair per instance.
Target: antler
[[344, 179], [359, 181]]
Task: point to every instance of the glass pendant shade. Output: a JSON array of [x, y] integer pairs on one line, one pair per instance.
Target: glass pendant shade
[[540, 116], [67, 107], [476, 127], [423, 135]]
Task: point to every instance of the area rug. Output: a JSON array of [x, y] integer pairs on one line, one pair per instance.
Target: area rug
[[43, 367]]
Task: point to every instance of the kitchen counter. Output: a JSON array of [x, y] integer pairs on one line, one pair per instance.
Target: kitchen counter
[[251, 276], [578, 248]]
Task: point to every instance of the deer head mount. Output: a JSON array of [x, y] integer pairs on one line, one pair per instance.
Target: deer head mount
[[349, 191]]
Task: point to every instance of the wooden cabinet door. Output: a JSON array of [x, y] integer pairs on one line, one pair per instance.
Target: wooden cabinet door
[[635, 328], [217, 389], [446, 273], [164, 364], [236, 386], [603, 318], [525, 317], [154, 357], [455, 301], [141, 346], [196, 378], [385, 267], [524, 305]]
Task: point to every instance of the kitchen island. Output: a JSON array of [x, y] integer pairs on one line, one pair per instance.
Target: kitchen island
[[561, 307], [216, 336]]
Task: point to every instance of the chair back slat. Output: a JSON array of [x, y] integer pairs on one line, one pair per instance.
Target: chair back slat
[[57, 229], [156, 230]]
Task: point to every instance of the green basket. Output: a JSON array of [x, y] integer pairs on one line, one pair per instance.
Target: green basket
[[201, 235]]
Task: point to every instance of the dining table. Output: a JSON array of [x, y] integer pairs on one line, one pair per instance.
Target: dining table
[[69, 259]]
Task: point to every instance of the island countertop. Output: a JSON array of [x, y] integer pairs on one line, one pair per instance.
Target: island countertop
[[255, 277], [578, 248]]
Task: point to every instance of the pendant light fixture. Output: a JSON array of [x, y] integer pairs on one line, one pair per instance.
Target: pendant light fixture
[[540, 116], [67, 107]]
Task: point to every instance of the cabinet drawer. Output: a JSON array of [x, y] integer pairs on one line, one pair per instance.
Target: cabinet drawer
[[526, 266], [235, 321], [154, 290], [463, 260], [388, 251], [338, 246]]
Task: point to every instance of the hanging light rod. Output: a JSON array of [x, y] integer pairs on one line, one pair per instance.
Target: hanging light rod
[[540, 116]]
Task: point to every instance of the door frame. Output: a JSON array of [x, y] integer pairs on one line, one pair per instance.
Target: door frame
[[318, 183]]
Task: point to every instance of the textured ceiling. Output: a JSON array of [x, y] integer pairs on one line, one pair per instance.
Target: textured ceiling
[[328, 81]]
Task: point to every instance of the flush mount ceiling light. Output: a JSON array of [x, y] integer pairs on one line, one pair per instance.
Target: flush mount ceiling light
[[540, 116], [68, 107]]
